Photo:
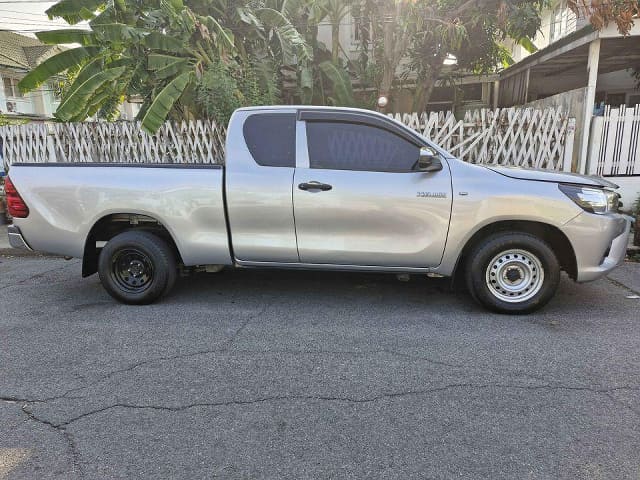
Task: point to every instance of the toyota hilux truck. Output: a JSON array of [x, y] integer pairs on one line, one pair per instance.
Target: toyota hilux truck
[[322, 188]]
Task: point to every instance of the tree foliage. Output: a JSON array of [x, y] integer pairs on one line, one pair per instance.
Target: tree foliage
[[188, 59], [603, 12], [161, 52], [427, 33]]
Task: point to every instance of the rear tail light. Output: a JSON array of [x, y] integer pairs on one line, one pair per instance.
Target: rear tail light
[[17, 207]]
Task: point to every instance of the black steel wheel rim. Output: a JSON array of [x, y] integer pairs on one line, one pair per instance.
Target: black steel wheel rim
[[132, 270]]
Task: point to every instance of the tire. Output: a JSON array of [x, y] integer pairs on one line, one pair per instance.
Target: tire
[[137, 267], [514, 273]]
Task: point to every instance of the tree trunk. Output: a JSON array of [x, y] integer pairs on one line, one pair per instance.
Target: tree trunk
[[424, 88], [335, 42], [388, 63]]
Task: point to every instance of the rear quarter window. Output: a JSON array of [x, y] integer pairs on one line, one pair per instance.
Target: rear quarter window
[[271, 139]]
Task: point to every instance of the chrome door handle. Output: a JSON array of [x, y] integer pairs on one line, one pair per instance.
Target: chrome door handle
[[315, 186]]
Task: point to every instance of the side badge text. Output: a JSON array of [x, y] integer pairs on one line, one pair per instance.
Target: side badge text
[[432, 195]]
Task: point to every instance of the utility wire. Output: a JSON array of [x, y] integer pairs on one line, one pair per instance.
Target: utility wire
[[23, 13], [42, 18], [12, 21]]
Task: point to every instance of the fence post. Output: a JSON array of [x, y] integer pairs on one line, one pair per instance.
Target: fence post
[[595, 143], [567, 159]]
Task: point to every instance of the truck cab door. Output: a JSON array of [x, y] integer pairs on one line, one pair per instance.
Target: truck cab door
[[359, 199], [259, 171]]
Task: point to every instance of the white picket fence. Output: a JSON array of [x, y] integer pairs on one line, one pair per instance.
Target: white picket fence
[[193, 142], [522, 137], [515, 136], [615, 142]]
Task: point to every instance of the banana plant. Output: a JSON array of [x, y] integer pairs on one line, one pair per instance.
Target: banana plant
[[342, 92], [156, 50]]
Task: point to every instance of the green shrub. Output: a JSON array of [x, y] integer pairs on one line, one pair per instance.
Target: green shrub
[[222, 89]]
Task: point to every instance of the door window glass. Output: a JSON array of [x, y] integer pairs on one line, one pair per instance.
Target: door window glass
[[352, 146]]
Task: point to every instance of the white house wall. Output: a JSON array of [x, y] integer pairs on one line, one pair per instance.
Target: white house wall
[[38, 102]]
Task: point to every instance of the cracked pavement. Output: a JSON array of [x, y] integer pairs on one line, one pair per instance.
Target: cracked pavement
[[282, 374]]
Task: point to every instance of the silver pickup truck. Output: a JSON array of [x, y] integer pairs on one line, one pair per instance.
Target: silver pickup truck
[[322, 188]]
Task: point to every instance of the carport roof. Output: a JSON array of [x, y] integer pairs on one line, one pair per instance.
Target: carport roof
[[571, 53]]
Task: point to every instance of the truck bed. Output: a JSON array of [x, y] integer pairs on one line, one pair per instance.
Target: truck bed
[[67, 199]]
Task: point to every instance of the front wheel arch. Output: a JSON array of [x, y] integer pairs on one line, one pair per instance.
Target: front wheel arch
[[548, 233]]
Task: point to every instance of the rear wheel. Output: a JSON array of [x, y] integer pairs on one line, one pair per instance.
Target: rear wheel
[[512, 273], [137, 267]]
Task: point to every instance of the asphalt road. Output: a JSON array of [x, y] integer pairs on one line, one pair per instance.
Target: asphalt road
[[274, 374]]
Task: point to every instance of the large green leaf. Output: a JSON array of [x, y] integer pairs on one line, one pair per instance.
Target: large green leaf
[[54, 65], [117, 32], [74, 11], [94, 104], [306, 84], [157, 61], [340, 82], [224, 36], [164, 102], [107, 15], [77, 101], [89, 70], [54, 37], [528, 45], [248, 17], [165, 43], [290, 38], [165, 66]]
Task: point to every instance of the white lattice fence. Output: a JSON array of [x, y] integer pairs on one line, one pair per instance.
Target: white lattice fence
[[521, 137], [193, 142]]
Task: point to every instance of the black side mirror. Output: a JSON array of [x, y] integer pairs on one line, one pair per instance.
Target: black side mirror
[[428, 161]]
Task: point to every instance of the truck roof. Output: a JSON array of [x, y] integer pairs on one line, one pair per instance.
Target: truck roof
[[313, 107]]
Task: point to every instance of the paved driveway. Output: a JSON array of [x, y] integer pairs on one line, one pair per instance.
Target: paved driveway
[[274, 374]]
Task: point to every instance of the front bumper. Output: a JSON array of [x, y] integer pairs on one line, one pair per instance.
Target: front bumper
[[16, 240], [599, 243]]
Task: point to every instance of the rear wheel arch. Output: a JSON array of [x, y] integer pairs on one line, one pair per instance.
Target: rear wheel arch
[[113, 224], [550, 234]]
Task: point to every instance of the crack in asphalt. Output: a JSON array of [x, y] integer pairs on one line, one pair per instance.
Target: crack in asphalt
[[136, 365], [66, 395], [226, 349], [622, 285], [61, 429], [390, 395]]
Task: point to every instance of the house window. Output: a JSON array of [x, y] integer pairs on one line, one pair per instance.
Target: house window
[[633, 100], [11, 87], [563, 21], [360, 30]]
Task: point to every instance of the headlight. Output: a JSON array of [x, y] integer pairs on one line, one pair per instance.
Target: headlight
[[593, 200]]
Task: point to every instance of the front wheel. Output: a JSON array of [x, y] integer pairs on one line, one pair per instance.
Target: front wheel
[[512, 273], [137, 267]]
